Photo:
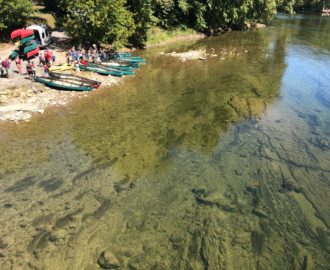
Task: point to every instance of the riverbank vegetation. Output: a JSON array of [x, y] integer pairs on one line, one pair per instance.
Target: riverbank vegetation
[[126, 22]]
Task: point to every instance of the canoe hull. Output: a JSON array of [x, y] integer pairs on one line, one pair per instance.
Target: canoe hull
[[76, 79], [16, 33], [26, 33], [116, 70], [62, 67], [27, 39], [13, 55], [101, 71], [33, 53], [61, 85]]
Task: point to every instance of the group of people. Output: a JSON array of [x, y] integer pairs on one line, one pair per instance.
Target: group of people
[[93, 54], [46, 60], [30, 67], [75, 55]]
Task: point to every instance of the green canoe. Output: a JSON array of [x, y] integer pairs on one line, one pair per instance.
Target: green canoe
[[76, 79], [117, 66], [122, 63], [24, 40], [62, 84], [124, 71], [13, 55], [132, 59], [102, 71]]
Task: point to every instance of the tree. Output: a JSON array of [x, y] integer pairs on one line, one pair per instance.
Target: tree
[[13, 13], [142, 14], [105, 21]]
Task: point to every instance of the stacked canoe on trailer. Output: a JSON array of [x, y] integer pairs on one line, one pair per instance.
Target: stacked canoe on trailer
[[28, 48]]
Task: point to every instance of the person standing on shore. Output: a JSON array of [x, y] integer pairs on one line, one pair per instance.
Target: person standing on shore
[[42, 60], [33, 67], [46, 70], [77, 65], [18, 62], [29, 69], [6, 65], [48, 57], [53, 58]]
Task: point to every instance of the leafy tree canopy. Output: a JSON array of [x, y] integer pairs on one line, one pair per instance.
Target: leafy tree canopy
[[125, 22], [13, 13], [91, 21]]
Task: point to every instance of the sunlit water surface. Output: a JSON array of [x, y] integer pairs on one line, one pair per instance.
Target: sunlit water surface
[[216, 164]]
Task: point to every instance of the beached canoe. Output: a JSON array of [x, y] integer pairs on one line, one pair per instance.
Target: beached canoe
[[75, 78], [101, 71], [133, 60], [16, 33], [61, 67], [122, 54], [136, 59], [117, 66], [121, 63], [124, 70], [62, 84]]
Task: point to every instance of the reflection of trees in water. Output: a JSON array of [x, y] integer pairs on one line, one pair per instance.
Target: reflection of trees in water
[[188, 103], [220, 93], [311, 30]]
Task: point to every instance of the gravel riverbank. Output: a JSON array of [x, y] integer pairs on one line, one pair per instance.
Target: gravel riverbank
[[20, 97]]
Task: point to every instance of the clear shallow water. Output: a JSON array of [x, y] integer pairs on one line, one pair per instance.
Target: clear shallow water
[[222, 164]]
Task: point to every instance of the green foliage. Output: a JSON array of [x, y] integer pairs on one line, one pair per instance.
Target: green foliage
[[126, 22], [122, 21], [104, 21], [13, 13], [142, 15], [157, 35]]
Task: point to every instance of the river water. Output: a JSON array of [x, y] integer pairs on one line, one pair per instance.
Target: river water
[[216, 164]]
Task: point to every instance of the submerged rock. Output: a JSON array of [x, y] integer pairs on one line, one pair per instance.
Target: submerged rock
[[3, 244], [260, 213], [251, 25], [200, 192], [108, 260], [324, 97], [190, 55], [258, 241], [320, 142], [253, 188], [124, 184], [7, 205], [289, 186]]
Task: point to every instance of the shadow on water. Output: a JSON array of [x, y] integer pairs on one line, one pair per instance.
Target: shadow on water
[[216, 164]]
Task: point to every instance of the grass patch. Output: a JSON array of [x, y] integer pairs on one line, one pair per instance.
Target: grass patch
[[158, 35]]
